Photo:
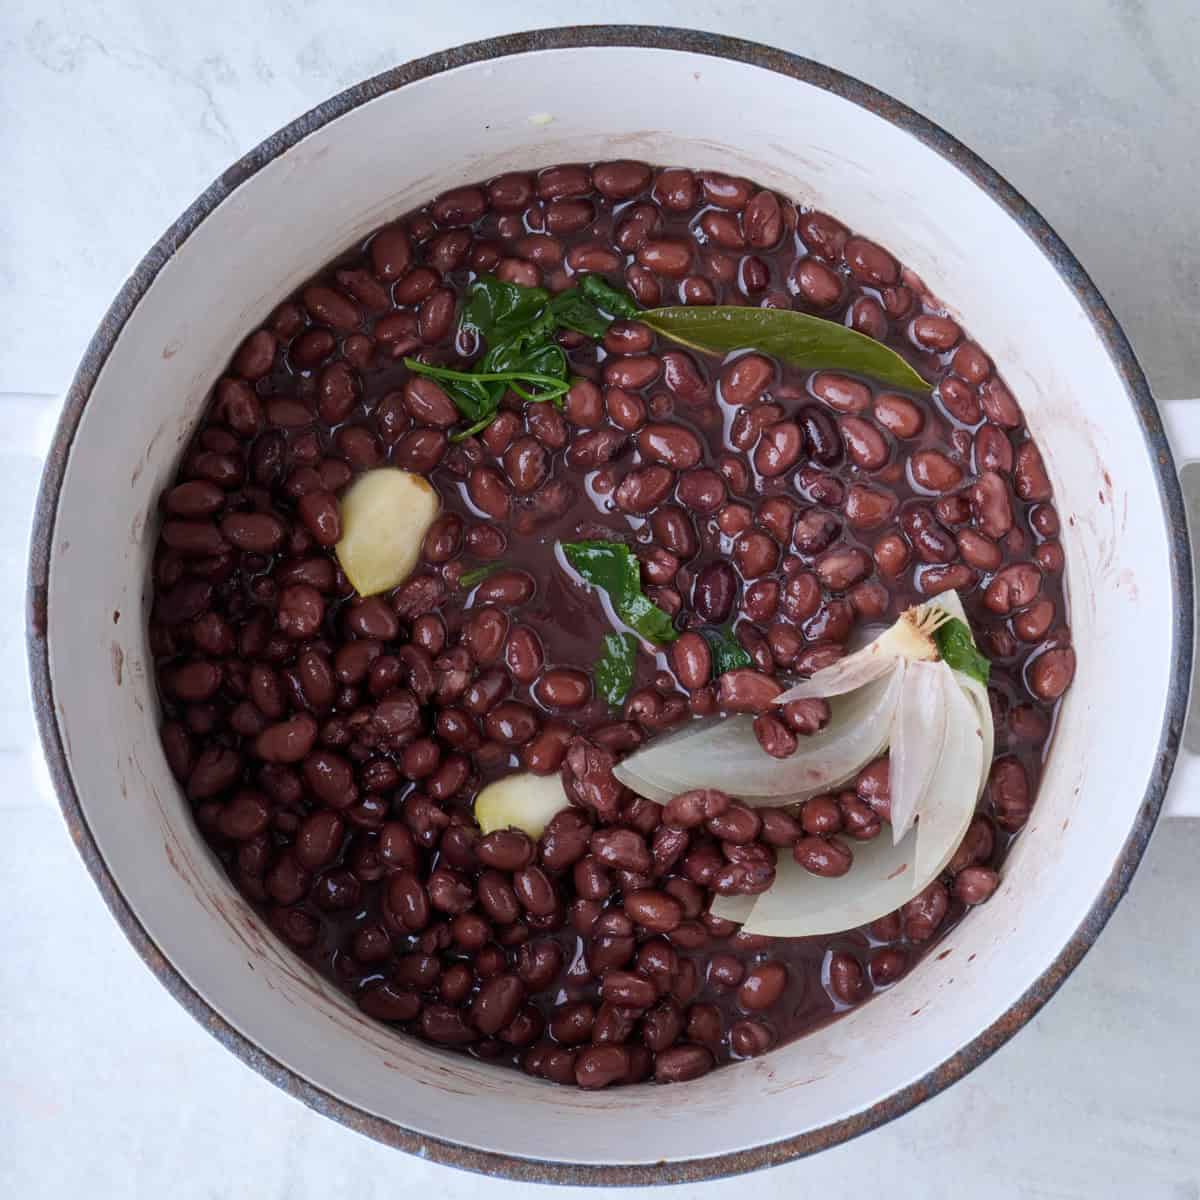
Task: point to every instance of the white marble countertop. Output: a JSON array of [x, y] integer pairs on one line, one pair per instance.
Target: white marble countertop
[[114, 114]]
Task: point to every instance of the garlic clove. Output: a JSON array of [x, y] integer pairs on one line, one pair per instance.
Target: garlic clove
[[385, 516], [522, 801]]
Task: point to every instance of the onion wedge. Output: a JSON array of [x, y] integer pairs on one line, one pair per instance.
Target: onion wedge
[[726, 754], [801, 904], [845, 675], [949, 801], [975, 690], [918, 734], [885, 874], [907, 640], [983, 707], [897, 691], [732, 908], [950, 602]]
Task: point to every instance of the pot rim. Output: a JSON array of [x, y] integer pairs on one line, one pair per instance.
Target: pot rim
[[1112, 337]]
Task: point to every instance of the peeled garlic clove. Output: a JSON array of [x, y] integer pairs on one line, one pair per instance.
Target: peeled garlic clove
[[917, 735], [524, 801], [385, 515]]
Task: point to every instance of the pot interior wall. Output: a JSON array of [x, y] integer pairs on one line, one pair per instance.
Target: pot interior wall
[[474, 121]]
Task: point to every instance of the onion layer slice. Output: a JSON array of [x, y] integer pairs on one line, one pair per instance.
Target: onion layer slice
[[733, 908], [978, 696], [845, 675], [917, 738], [801, 904], [885, 875], [949, 802], [726, 754]]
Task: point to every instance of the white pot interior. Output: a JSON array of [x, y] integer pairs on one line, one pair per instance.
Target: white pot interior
[[396, 152]]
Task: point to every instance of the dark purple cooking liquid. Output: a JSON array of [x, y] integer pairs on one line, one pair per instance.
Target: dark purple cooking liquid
[[569, 620]]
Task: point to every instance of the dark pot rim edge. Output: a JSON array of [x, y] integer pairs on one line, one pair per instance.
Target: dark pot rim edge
[[1120, 352]]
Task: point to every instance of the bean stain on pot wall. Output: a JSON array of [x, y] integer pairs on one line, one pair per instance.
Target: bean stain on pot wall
[[148, 455]]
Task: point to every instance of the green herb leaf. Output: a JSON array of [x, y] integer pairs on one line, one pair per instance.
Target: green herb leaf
[[727, 655], [476, 575], [478, 403], [495, 310], [612, 300], [518, 325], [471, 396], [470, 431], [958, 650], [793, 337], [573, 310], [614, 667], [524, 358], [613, 567]]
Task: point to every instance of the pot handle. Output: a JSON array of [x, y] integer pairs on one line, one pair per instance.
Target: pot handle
[[1182, 421]]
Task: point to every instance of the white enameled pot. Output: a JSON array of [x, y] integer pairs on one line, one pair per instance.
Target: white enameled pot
[[526, 101]]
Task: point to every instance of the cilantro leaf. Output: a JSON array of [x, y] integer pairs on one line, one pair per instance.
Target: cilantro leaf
[[727, 654], [615, 666], [495, 310], [573, 310], [958, 650], [613, 567], [476, 575], [604, 296]]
